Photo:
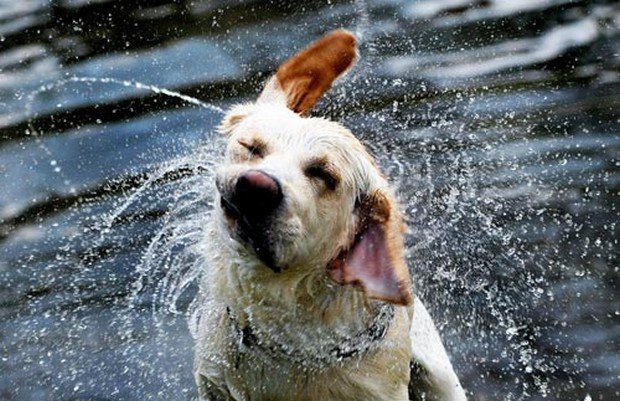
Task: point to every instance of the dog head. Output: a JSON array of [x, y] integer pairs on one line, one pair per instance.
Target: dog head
[[301, 193]]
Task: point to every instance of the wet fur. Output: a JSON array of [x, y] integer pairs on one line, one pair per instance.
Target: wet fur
[[317, 297]]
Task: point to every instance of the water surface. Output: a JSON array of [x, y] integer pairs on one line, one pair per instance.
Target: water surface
[[497, 120]]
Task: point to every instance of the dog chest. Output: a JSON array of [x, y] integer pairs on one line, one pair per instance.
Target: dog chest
[[241, 370]]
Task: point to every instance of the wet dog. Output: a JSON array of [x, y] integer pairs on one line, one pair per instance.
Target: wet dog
[[310, 293]]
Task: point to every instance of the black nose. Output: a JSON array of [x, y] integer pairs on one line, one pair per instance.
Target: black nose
[[256, 195]]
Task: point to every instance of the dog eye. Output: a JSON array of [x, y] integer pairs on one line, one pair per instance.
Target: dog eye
[[254, 149], [322, 174]]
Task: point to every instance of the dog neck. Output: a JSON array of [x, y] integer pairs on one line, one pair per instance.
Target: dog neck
[[300, 314], [312, 357]]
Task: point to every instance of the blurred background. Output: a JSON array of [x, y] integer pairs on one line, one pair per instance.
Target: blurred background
[[498, 120]]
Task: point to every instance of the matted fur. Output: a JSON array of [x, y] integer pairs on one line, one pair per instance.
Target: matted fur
[[331, 225]]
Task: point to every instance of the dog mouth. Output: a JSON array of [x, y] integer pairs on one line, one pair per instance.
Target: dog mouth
[[230, 210], [255, 233]]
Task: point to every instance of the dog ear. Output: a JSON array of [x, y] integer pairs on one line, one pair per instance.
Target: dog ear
[[233, 117], [375, 260], [306, 76]]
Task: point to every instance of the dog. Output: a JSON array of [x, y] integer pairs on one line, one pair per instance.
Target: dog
[[309, 294]]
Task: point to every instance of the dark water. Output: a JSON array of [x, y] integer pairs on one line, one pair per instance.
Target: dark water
[[498, 121]]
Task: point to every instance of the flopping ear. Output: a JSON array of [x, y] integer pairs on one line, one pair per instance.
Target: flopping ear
[[375, 260], [304, 78]]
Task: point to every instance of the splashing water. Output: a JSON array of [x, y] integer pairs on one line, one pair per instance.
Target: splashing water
[[176, 256], [108, 80], [471, 207], [181, 226], [363, 22], [454, 232], [30, 98]]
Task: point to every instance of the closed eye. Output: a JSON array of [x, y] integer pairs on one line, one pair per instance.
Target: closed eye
[[322, 173], [254, 148]]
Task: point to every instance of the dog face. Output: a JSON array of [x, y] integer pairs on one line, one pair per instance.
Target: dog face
[[289, 186], [302, 194]]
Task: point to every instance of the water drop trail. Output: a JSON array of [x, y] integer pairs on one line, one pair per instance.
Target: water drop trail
[[122, 82], [363, 19], [106, 80]]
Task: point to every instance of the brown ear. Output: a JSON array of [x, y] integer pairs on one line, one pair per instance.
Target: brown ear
[[306, 76], [375, 261]]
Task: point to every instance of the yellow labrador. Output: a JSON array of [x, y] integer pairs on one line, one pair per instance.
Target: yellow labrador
[[310, 292]]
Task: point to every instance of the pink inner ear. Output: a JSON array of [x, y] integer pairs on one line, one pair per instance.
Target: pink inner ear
[[368, 264]]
